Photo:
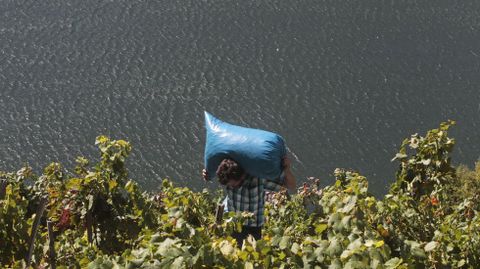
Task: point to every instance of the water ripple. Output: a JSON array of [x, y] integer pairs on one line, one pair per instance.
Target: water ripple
[[342, 82]]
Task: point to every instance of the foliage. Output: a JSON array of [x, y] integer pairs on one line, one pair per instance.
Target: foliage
[[15, 219], [102, 219], [426, 218], [468, 184]]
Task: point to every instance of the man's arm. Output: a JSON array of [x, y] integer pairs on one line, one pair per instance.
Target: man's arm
[[290, 181], [287, 178]]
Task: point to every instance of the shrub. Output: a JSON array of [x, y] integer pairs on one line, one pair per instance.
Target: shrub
[[102, 219]]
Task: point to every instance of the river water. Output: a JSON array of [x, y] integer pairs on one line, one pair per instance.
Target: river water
[[342, 81]]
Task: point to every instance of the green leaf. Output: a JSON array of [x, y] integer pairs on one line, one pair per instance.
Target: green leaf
[[169, 248], [243, 255], [112, 184], [399, 156], [431, 246], [90, 201], [426, 162], [418, 253], [379, 243], [155, 238], [393, 263], [295, 248], [319, 228], [335, 248], [74, 184], [336, 264], [178, 263], [284, 242], [350, 205], [130, 187], [101, 139], [226, 248]]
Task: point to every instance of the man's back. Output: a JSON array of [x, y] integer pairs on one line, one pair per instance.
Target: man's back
[[250, 197]]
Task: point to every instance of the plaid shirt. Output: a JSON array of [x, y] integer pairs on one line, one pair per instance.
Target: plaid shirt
[[250, 197]]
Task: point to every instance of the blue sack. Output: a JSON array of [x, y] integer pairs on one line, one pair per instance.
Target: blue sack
[[258, 152]]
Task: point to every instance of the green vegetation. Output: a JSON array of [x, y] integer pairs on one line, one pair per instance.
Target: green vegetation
[[99, 218]]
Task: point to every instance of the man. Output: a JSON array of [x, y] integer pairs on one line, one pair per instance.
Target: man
[[247, 193]]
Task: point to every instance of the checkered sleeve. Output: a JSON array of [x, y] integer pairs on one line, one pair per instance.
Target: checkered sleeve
[[275, 184]]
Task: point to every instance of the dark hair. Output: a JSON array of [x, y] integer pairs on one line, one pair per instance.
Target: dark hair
[[227, 170]]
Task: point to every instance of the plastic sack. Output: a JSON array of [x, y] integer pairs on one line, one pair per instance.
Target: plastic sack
[[258, 152]]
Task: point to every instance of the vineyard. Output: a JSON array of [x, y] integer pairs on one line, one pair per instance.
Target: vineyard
[[96, 217]]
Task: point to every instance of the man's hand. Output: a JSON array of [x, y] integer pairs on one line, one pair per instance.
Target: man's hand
[[204, 175]]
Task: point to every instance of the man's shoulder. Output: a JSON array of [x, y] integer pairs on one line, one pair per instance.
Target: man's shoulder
[[252, 181]]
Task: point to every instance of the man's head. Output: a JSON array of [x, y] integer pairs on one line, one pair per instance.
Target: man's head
[[230, 173]]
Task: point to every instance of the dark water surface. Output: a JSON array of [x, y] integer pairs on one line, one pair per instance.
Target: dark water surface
[[343, 81]]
